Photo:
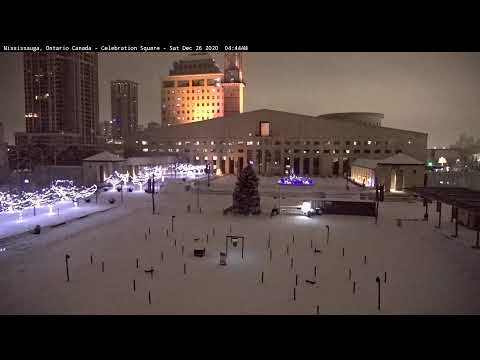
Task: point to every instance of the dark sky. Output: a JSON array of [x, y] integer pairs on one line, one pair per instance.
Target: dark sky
[[437, 93]]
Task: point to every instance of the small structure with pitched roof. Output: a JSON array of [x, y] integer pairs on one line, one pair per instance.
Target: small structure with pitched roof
[[396, 172], [98, 167]]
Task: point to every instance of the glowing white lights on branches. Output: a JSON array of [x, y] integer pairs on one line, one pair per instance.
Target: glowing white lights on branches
[[61, 190]]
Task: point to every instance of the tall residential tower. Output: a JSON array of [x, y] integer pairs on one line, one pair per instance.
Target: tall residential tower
[[124, 122], [61, 104]]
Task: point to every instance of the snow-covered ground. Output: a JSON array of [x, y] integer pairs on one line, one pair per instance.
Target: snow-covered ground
[[427, 272]]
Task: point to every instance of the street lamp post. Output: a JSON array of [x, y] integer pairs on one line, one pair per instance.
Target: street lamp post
[[378, 282], [66, 264], [153, 194]]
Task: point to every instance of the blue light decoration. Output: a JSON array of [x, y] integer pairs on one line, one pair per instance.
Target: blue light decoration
[[294, 180]]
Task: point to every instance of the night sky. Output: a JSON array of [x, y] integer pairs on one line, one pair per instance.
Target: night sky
[[436, 93]]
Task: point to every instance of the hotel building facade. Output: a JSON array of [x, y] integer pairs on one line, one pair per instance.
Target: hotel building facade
[[196, 89]]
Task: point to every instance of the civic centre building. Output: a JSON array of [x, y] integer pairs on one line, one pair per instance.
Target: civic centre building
[[277, 142]]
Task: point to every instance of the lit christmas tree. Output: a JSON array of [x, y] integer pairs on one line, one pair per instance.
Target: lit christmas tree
[[246, 199]]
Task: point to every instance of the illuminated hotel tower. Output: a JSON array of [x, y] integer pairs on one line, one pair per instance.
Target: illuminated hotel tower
[[196, 89], [192, 91], [233, 84]]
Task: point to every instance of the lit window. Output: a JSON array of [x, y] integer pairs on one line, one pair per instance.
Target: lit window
[[264, 128], [212, 142], [144, 142], [249, 143], [206, 158], [197, 158], [347, 151], [409, 142], [369, 142], [214, 157]]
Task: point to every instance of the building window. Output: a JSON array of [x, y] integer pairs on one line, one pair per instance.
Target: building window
[[326, 151], [366, 151], [264, 128], [388, 151]]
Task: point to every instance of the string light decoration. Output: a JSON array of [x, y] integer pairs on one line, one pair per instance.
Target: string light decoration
[[294, 180], [61, 190]]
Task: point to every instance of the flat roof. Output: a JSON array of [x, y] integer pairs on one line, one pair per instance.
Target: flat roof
[[462, 198]]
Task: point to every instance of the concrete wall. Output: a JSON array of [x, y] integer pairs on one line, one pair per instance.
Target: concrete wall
[[406, 176]]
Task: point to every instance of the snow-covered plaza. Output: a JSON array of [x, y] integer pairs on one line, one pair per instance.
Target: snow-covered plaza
[[423, 270]]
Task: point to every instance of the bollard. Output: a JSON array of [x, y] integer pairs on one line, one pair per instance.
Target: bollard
[[213, 232], [385, 277], [161, 255], [103, 267], [262, 277], [149, 298], [175, 242], [350, 274], [293, 239], [296, 280], [137, 263], [354, 286], [318, 310], [185, 268], [291, 263], [365, 259], [270, 255], [294, 294], [182, 250], [315, 271], [133, 285], [91, 259], [343, 251], [149, 230]]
